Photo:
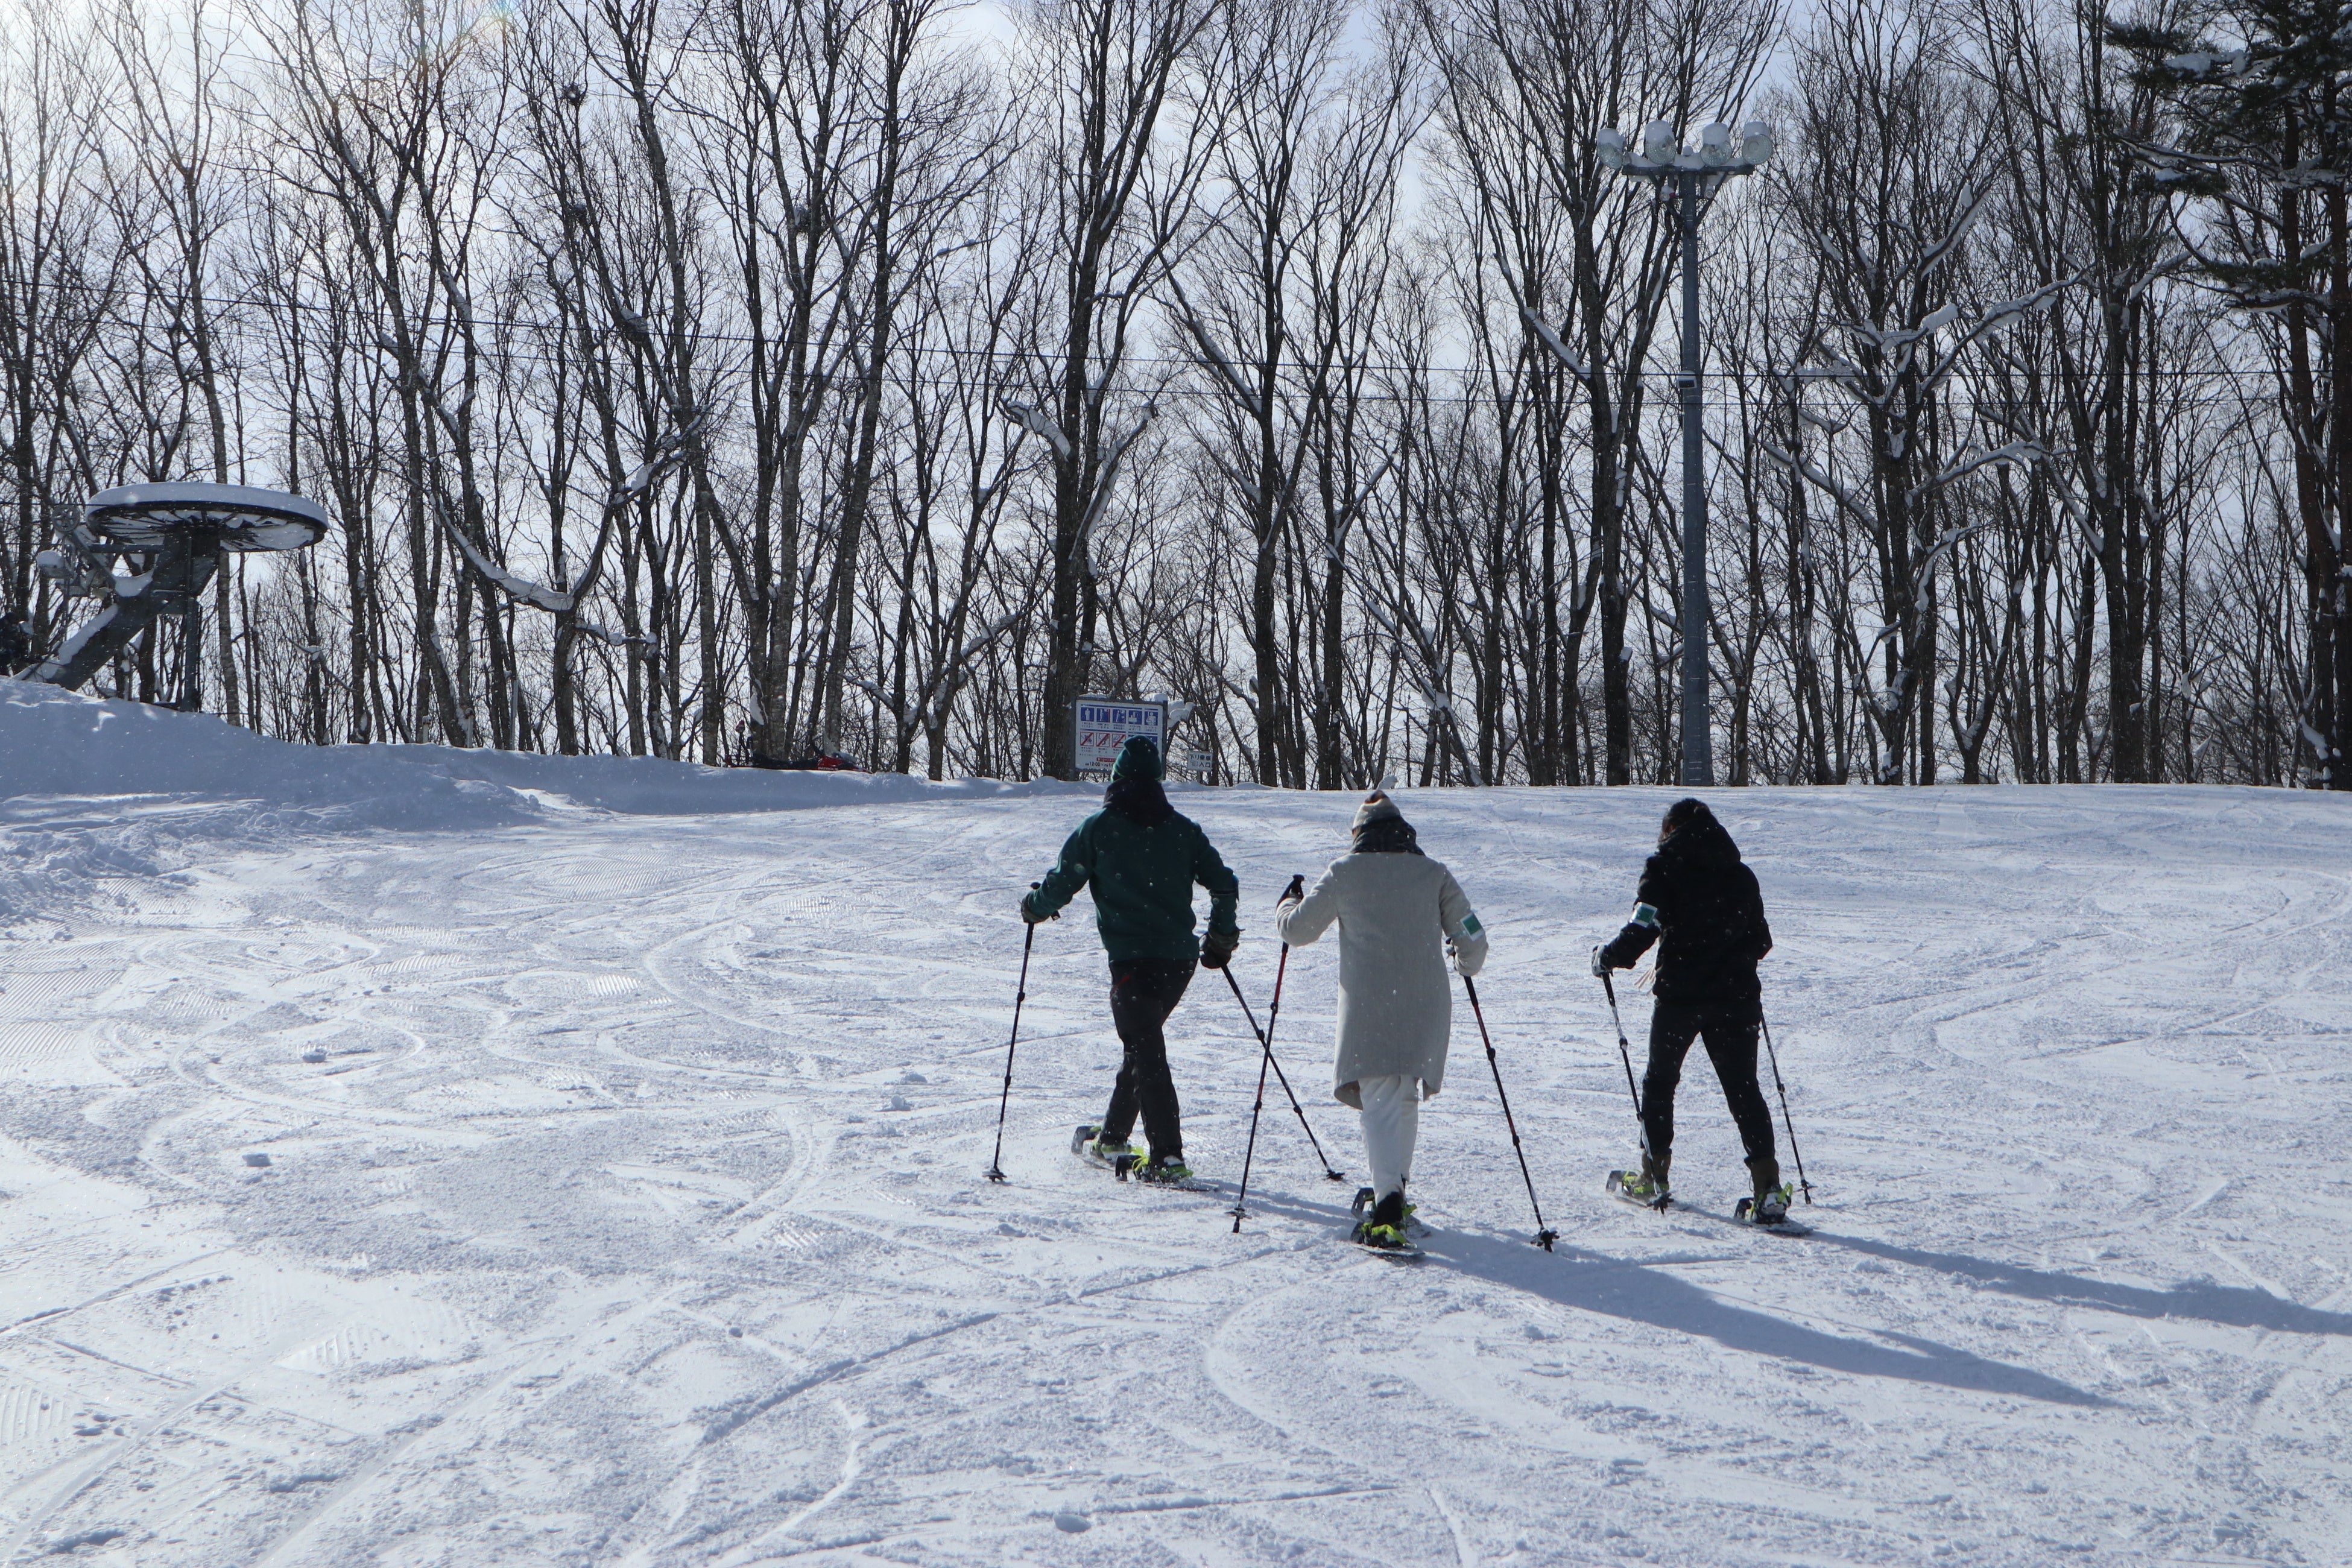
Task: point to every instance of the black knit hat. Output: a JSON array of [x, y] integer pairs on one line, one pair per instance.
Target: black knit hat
[[1139, 759]]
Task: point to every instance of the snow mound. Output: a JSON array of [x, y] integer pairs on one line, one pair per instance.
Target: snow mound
[[56, 742], [92, 788]]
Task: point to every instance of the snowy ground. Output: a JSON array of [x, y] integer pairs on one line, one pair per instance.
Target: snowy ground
[[578, 1185]]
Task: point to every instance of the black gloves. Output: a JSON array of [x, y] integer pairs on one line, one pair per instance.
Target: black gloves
[[1600, 964], [1029, 911], [1217, 948]]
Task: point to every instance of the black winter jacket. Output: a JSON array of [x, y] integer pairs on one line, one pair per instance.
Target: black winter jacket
[[1697, 896], [1141, 858]]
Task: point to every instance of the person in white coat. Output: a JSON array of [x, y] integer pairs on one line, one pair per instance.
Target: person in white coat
[[1400, 914]]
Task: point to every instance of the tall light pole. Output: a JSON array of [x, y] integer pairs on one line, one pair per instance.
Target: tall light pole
[[1693, 178]]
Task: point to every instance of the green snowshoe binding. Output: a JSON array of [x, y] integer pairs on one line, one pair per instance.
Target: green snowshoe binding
[[1088, 1143], [1770, 1204], [1383, 1228], [1410, 1224], [1768, 1208], [1127, 1161], [1640, 1187]]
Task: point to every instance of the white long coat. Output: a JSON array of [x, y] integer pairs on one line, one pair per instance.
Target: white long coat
[[1395, 913]]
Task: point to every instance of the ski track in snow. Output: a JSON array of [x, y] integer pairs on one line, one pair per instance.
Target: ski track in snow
[[621, 1204]]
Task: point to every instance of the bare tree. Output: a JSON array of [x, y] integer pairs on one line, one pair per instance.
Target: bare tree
[[1125, 91]]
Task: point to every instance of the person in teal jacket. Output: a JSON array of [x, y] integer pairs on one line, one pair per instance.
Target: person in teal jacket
[[1142, 857]]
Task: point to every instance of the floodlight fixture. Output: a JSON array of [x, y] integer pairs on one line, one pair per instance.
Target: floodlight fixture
[[1692, 179]]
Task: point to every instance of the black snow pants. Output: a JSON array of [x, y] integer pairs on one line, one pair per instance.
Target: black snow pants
[[1729, 1029], [1143, 992]]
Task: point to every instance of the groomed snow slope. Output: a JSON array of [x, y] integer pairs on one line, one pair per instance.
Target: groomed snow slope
[[422, 1159]]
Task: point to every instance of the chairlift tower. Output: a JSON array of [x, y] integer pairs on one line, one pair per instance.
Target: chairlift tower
[[145, 552]]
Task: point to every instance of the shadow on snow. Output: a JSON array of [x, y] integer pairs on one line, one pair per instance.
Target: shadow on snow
[[2233, 1306], [1595, 1282]]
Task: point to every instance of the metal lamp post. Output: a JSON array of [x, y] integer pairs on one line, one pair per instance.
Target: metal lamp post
[[1693, 178]]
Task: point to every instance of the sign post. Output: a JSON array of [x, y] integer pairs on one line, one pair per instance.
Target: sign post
[[1106, 723]]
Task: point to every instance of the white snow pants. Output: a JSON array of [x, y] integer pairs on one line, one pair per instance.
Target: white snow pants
[[1392, 1126]]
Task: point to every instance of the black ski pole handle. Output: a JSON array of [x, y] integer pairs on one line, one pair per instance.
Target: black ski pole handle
[[1297, 889]]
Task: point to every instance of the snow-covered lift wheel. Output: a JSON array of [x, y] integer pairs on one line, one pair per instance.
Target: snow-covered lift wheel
[[169, 540]]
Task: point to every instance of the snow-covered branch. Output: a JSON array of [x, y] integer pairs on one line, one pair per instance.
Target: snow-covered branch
[[1558, 346], [2022, 453], [1037, 422]]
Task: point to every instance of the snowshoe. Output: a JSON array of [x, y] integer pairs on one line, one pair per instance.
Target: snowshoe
[[1088, 1143], [1383, 1228], [1410, 1224], [1639, 1188], [1161, 1172], [1768, 1207], [1387, 1238]]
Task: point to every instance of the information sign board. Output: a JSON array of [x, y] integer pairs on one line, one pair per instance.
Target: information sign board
[[1104, 724]]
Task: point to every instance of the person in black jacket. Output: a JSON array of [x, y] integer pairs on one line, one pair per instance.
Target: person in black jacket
[[1141, 858], [15, 647], [1703, 908]]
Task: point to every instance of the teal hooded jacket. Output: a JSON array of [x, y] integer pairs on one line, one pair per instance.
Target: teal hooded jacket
[[1142, 857]]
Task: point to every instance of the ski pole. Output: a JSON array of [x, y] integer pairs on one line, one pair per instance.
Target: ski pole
[[1774, 1057], [1625, 1054], [1545, 1236], [1265, 1060], [1273, 1011], [1020, 994], [1280, 1077]]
